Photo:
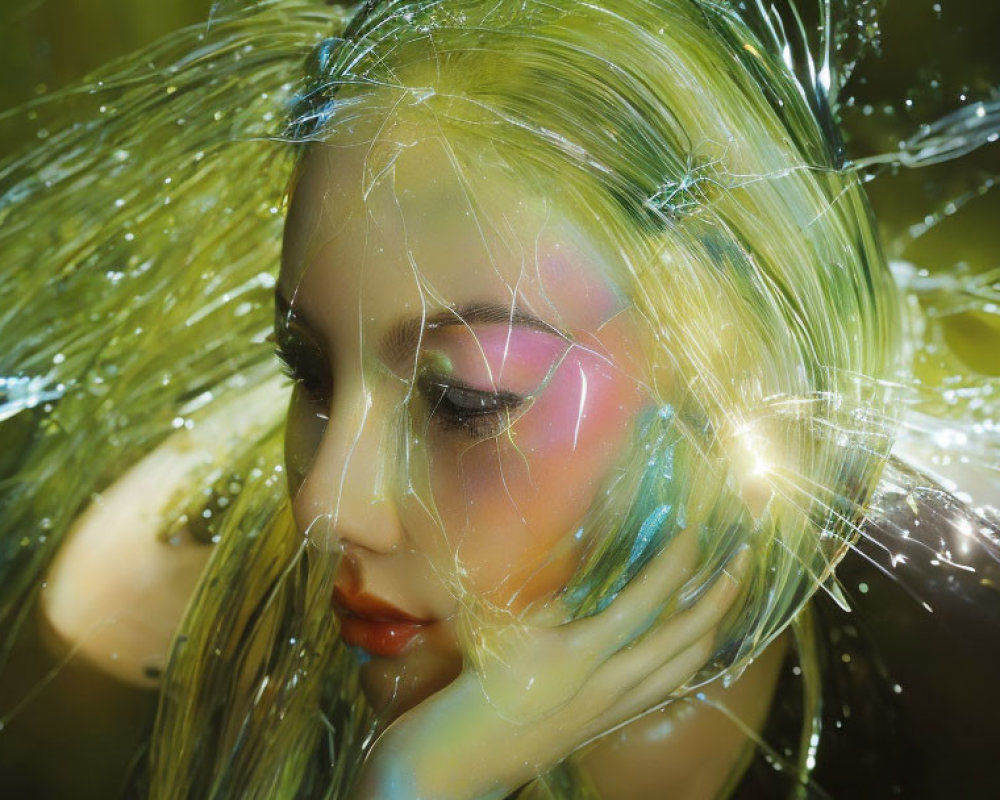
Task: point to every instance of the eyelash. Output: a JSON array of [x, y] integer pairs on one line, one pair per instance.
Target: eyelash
[[456, 406], [302, 368]]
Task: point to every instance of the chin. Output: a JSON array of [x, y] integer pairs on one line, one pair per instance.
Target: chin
[[394, 685]]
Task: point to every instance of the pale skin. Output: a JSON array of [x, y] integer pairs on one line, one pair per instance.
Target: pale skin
[[544, 687]]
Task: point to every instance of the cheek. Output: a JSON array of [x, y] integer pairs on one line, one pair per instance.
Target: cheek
[[511, 505], [306, 423]]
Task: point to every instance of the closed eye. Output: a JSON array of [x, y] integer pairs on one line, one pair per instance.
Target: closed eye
[[306, 364], [477, 413], [299, 354]]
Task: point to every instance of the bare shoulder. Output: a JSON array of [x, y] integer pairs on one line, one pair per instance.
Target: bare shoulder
[[117, 589]]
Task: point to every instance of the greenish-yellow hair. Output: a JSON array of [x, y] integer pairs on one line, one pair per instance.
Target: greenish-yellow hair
[[140, 243], [677, 139]]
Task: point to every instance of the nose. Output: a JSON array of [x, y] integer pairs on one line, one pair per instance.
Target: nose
[[345, 496]]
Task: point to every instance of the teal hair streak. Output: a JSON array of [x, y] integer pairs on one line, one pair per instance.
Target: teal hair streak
[[657, 514]]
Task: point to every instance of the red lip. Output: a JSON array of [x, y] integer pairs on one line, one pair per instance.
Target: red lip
[[368, 622]]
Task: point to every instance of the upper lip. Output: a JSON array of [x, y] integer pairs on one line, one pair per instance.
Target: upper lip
[[371, 607]]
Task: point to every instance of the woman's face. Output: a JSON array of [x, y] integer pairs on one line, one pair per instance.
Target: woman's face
[[467, 376]]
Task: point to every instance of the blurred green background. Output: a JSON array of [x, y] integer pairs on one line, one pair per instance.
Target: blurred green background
[[50, 43]]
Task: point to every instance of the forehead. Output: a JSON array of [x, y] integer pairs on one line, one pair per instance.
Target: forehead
[[406, 221]]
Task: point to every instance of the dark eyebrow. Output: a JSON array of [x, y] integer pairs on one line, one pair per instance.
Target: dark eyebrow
[[403, 337]]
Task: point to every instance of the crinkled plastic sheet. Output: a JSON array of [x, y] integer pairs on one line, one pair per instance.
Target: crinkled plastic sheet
[[151, 322]]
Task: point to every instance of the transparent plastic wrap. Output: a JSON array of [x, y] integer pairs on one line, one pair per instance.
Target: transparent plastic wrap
[[605, 398]]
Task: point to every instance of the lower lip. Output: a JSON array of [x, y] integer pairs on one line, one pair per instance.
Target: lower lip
[[378, 637]]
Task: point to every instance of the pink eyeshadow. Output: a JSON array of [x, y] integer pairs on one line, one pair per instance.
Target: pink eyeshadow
[[580, 408], [558, 451], [498, 357]]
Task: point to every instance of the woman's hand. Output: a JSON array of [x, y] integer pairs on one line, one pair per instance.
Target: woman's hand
[[543, 689]]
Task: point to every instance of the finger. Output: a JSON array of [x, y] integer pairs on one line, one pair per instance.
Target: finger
[[629, 701], [682, 630], [639, 603], [554, 613], [666, 680]]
